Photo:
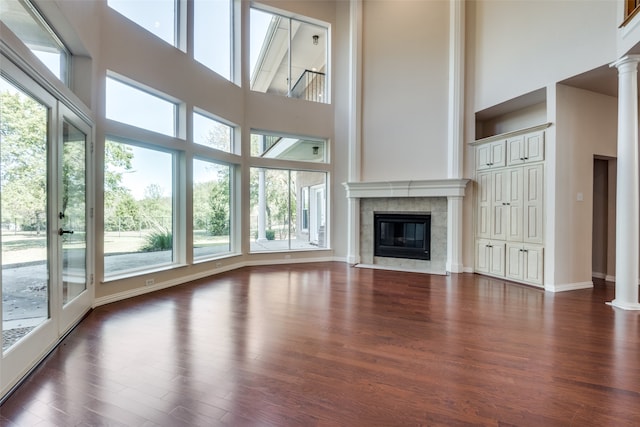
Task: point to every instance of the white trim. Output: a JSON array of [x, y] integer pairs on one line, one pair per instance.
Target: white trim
[[609, 278], [456, 88], [468, 270], [568, 286], [598, 275], [510, 134], [418, 188]]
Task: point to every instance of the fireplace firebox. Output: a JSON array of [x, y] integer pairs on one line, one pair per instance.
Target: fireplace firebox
[[404, 235]]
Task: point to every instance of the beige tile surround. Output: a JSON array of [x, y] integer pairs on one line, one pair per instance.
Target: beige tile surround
[[436, 206]]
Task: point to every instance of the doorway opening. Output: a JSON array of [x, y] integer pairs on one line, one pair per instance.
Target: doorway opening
[[604, 219]]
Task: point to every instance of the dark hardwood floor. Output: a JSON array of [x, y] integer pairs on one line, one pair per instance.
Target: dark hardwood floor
[[329, 344]]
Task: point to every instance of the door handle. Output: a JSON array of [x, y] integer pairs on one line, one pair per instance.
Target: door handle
[[61, 232]]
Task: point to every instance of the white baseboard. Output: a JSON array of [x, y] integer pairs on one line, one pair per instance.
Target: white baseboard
[[568, 286], [608, 278], [598, 275]]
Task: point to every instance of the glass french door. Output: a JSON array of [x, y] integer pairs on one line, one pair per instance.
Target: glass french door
[[43, 211], [73, 225]]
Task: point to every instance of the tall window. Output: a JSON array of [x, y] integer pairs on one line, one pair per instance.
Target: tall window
[[213, 38], [136, 107], [211, 209], [212, 26], [24, 20], [288, 57], [156, 16], [281, 219], [138, 207]]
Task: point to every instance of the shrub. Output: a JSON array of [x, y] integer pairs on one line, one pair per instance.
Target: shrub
[[158, 240]]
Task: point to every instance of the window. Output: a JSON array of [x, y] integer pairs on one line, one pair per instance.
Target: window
[[136, 107], [211, 209], [30, 27], [138, 207], [212, 133], [157, 16], [288, 57], [278, 216], [212, 41], [288, 148]]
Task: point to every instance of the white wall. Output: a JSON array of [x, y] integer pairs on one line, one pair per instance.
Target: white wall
[[405, 89], [521, 46], [586, 125]]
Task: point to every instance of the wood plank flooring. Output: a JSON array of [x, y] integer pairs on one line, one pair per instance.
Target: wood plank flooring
[[333, 345]]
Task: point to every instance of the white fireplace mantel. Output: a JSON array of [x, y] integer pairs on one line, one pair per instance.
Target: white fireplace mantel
[[419, 188]]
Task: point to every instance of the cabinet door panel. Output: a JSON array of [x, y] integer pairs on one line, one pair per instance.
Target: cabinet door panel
[[515, 150], [514, 262], [534, 264], [532, 221], [515, 203], [484, 205], [482, 256], [497, 259], [498, 155], [483, 157], [534, 147], [499, 207]]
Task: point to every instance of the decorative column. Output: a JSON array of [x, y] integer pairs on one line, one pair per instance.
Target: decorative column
[[627, 196], [355, 124], [454, 234], [456, 132]]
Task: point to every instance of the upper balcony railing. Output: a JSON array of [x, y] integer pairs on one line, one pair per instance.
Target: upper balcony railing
[[311, 87], [631, 9]]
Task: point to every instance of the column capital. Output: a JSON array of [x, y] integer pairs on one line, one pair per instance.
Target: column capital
[[626, 60]]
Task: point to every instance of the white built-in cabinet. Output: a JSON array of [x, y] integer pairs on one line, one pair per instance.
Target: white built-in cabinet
[[509, 214]]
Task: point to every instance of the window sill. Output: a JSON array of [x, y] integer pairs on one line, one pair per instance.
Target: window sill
[[137, 273]]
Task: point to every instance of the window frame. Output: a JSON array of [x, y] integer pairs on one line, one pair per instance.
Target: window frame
[[233, 130], [233, 223], [301, 20], [177, 257], [146, 90]]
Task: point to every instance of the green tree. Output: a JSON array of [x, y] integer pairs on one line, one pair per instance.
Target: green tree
[[218, 224], [126, 216], [23, 158], [155, 209], [120, 208]]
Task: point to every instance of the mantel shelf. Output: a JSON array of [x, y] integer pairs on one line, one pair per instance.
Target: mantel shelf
[[419, 188]]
